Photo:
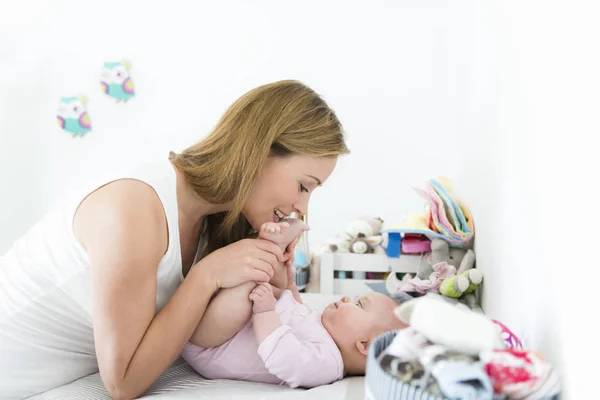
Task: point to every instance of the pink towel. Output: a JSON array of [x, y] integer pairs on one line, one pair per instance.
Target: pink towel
[[440, 272]]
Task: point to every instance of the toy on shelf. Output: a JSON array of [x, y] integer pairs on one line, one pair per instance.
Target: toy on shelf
[[361, 236], [353, 260], [466, 280], [449, 271], [436, 243]]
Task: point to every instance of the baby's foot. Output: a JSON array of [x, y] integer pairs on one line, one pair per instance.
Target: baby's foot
[[282, 233]]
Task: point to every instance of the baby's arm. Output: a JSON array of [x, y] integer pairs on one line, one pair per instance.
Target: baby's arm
[[285, 356], [266, 320]]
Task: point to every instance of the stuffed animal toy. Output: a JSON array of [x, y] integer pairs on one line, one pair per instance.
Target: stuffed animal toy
[[364, 245], [449, 271], [392, 283], [364, 235], [336, 245], [376, 223], [441, 252], [466, 280]]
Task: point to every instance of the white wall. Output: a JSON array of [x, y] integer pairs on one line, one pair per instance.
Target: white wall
[[394, 74], [533, 106], [470, 90]]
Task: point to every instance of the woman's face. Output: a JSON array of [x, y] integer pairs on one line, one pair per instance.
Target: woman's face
[[284, 185]]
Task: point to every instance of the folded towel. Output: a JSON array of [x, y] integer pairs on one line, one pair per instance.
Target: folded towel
[[446, 216]]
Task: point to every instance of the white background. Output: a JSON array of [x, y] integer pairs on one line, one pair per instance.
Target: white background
[[502, 99]]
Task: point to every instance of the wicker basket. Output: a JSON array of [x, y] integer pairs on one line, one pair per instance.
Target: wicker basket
[[379, 385]]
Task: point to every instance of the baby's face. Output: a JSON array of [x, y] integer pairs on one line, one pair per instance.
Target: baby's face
[[351, 320]]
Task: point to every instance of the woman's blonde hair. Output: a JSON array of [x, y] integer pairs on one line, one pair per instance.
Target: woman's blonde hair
[[281, 118]]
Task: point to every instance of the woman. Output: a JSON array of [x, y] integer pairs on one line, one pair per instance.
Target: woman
[[105, 282]]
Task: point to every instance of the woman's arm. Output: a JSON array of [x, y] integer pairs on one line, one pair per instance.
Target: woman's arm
[[125, 241]]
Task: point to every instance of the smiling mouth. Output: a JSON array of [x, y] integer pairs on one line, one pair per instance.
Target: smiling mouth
[[279, 215]]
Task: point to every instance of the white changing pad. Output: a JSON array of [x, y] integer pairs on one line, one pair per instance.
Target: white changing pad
[[182, 382]]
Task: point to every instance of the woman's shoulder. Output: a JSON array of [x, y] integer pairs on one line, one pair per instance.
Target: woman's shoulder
[[127, 207]]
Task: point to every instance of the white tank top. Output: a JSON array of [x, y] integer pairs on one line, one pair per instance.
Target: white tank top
[[46, 334]]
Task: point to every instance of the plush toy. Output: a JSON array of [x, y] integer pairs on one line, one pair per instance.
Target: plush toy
[[449, 271], [466, 280], [376, 223], [364, 235], [441, 252], [336, 245], [361, 236], [392, 283], [363, 245]]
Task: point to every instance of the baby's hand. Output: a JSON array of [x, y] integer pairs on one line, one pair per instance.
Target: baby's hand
[[263, 298]]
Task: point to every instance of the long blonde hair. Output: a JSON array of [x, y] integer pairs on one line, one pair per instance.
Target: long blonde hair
[[281, 118]]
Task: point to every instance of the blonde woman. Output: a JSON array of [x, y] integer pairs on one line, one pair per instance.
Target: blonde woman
[[118, 277]]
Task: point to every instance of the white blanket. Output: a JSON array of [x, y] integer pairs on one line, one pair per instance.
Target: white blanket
[[182, 382]]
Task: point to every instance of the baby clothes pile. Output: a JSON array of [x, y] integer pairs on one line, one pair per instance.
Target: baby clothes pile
[[451, 352]]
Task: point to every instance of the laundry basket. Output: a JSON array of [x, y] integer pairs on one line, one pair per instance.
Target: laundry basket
[[379, 385]]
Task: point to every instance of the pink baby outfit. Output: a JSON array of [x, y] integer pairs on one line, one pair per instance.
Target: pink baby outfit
[[300, 353]]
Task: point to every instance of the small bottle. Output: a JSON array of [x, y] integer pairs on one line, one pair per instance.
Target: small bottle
[[301, 258]]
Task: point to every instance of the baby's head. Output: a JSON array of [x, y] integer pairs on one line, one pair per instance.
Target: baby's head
[[355, 323]]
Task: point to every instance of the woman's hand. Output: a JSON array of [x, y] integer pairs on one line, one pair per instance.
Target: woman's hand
[[242, 261]]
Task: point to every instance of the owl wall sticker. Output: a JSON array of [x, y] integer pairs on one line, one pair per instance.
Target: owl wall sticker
[[116, 80], [72, 116]]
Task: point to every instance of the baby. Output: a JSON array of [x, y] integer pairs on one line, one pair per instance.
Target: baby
[[285, 341]]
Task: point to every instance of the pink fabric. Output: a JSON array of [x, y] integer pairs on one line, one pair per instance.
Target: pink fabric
[[440, 272], [520, 374], [412, 245], [300, 353]]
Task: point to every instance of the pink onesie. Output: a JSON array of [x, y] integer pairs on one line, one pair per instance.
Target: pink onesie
[[300, 353]]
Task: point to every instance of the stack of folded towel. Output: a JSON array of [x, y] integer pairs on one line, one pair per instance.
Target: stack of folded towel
[[445, 217]]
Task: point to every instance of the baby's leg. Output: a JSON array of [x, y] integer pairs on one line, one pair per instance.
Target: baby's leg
[[282, 234], [226, 315], [230, 309]]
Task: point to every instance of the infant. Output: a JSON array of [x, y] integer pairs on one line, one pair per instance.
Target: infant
[[284, 341]]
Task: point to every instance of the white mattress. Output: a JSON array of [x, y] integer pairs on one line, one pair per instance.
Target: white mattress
[[182, 382]]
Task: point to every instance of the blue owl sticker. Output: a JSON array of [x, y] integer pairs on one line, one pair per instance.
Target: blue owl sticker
[[116, 81], [72, 116]]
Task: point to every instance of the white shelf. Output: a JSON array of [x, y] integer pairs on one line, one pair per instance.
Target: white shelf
[[331, 262]]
